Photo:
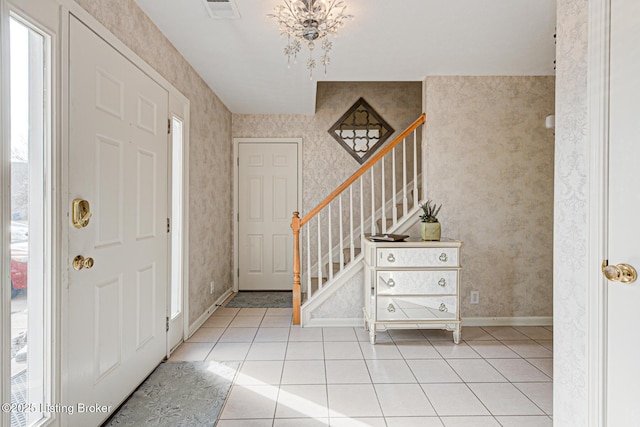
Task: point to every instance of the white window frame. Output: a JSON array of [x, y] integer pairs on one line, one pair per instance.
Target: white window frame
[[43, 19], [52, 18]]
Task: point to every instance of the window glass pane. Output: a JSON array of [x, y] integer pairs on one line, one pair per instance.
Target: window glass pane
[[28, 130], [176, 213]]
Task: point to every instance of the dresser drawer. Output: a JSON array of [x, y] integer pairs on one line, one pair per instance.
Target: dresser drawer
[[417, 257], [417, 282], [416, 308], [389, 310]]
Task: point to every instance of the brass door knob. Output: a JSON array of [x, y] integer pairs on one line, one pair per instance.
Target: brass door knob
[[81, 262], [623, 273]]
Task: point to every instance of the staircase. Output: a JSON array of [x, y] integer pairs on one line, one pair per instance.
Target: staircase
[[381, 197], [337, 266]]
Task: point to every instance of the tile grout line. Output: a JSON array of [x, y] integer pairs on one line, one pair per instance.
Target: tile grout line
[[511, 383], [233, 382], [395, 343]]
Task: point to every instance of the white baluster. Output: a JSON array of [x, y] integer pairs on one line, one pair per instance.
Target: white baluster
[[330, 242], [319, 255], [405, 202], [416, 197], [341, 235], [309, 291], [384, 201], [361, 207], [373, 203], [394, 208], [351, 245]]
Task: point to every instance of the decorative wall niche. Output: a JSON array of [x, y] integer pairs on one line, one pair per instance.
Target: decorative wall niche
[[361, 131]]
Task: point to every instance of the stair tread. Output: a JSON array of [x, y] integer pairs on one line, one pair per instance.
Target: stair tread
[[348, 250]]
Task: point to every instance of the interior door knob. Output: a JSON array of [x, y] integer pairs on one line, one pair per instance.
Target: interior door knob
[[81, 262], [623, 273]]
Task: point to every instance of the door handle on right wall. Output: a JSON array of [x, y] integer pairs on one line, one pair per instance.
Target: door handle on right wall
[[623, 273]]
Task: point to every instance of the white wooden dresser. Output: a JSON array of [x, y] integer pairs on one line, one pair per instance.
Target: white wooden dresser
[[412, 285]]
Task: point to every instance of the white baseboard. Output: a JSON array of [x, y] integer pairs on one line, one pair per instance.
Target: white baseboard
[[335, 323], [467, 321], [508, 321], [208, 312]]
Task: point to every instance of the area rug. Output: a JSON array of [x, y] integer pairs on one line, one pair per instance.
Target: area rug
[[178, 394], [253, 299]]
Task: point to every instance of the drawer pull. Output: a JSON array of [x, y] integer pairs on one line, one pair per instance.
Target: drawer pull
[[443, 307], [442, 282], [391, 283], [391, 258], [443, 257], [391, 308]]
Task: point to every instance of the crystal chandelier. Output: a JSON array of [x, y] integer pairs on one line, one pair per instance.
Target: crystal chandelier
[[308, 21]]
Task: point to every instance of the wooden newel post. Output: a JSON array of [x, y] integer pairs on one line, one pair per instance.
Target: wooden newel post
[[295, 226]]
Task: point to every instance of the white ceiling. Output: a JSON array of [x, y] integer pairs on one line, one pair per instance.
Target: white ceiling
[[242, 60]]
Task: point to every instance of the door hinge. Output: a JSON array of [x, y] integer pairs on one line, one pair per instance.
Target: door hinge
[[168, 126], [238, 161], [167, 323], [168, 225], [238, 272], [238, 217]]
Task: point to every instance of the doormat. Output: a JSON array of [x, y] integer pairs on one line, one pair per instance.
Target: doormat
[[178, 394], [251, 299], [19, 383]]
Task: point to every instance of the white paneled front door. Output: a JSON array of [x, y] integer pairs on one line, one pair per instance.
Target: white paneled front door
[[623, 313], [267, 198], [117, 161]]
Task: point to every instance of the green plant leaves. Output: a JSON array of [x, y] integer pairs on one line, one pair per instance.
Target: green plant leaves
[[430, 211]]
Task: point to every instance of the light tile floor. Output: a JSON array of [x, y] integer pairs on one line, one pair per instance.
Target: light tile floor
[[299, 377]]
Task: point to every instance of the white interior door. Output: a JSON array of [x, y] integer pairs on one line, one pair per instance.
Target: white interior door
[[267, 198], [623, 375], [118, 162]]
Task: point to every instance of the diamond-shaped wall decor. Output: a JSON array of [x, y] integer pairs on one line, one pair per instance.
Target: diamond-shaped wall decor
[[361, 131]]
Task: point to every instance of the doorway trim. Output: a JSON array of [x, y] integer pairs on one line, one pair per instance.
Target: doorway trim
[[43, 19], [598, 134], [179, 106], [70, 8], [5, 217], [236, 160]]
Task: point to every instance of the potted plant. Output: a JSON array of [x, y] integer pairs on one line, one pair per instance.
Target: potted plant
[[429, 217]]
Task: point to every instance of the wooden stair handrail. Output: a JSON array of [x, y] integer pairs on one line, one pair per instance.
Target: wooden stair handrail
[[357, 174], [296, 291], [297, 222]]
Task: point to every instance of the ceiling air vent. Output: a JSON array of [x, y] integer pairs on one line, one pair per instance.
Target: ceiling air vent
[[222, 9]]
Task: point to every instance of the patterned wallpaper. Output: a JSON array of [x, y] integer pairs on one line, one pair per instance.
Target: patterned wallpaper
[[325, 163], [571, 209], [490, 163], [210, 149], [345, 303]]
